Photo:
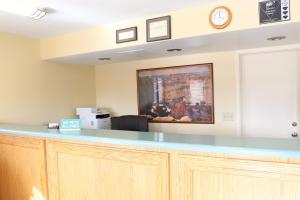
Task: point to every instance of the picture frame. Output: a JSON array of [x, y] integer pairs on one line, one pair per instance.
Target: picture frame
[[180, 94], [126, 35], [158, 29], [271, 11]]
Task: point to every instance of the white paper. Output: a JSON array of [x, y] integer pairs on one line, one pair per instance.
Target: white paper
[[126, 35], [158, 29]]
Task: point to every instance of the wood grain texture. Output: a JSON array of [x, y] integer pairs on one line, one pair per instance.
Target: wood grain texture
[[80, 172], [206, 178], [22, 168]]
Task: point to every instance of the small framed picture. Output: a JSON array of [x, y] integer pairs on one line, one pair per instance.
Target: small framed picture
[[126, 35], [271, 11], [159, 29]]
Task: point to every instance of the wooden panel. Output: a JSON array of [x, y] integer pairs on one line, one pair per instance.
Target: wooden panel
[[22, 168], [205, 178], [81, 172]]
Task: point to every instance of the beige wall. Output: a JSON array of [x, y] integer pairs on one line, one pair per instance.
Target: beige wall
[[116, 90], [189, 22], [35, 92]]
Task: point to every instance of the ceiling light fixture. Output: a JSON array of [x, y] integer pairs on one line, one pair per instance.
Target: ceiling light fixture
[[104, 59], [277, 38], [174, 50], [20, 8]]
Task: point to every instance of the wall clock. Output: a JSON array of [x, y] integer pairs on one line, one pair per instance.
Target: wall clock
[[220, 17]]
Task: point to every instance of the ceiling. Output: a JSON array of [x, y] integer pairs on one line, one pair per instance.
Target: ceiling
[[229, 41], [73, 15]]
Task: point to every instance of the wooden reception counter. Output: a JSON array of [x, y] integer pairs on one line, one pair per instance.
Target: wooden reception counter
[[116, 165]]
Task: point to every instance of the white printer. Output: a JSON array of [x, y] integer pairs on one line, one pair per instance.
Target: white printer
[[93, 118]]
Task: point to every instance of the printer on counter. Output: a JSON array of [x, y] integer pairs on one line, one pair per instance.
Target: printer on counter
[[93, 118]]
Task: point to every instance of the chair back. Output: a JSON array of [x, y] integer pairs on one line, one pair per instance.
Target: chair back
[[130, 123]]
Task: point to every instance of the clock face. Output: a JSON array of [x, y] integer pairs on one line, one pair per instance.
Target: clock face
[[220, 17]]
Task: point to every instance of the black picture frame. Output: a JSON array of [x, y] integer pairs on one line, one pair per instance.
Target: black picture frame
[[271, 11], [120, 31], [163, 37]]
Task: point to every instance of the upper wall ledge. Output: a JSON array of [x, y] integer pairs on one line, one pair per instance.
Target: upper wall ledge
[[186, 23]]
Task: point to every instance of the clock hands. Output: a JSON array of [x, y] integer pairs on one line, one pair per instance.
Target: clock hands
[[221, 16]]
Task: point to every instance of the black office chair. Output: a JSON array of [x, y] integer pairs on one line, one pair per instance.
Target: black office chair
[[130, 123]]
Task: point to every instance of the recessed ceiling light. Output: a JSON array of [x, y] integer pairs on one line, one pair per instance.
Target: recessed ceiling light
[[276, 38], [104, 59], [20, 8], [174, 50], [39, 14]]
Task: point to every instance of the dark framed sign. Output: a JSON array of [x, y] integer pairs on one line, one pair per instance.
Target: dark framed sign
[[158, 29], [182, 94], [126, 35], [274, 11]]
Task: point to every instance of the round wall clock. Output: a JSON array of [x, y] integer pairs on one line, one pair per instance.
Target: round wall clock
[[220, 17]]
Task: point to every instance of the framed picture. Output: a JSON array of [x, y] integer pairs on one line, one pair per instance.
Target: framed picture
[[158, 29], [126, 35], [271, 11], [182, 94]]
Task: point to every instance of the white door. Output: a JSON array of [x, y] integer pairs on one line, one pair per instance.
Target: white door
[[269, 94]]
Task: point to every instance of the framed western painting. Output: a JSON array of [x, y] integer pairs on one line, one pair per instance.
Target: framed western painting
[[183, 94]]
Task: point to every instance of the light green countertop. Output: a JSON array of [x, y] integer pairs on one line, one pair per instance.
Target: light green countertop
[[288, 148]]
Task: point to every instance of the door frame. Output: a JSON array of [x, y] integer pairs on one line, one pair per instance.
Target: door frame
[[238, 65]]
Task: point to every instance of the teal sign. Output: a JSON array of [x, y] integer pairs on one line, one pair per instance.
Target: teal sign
[[70, 124]]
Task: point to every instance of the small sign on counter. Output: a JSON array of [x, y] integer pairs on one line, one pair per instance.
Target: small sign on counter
[[70, 125]]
